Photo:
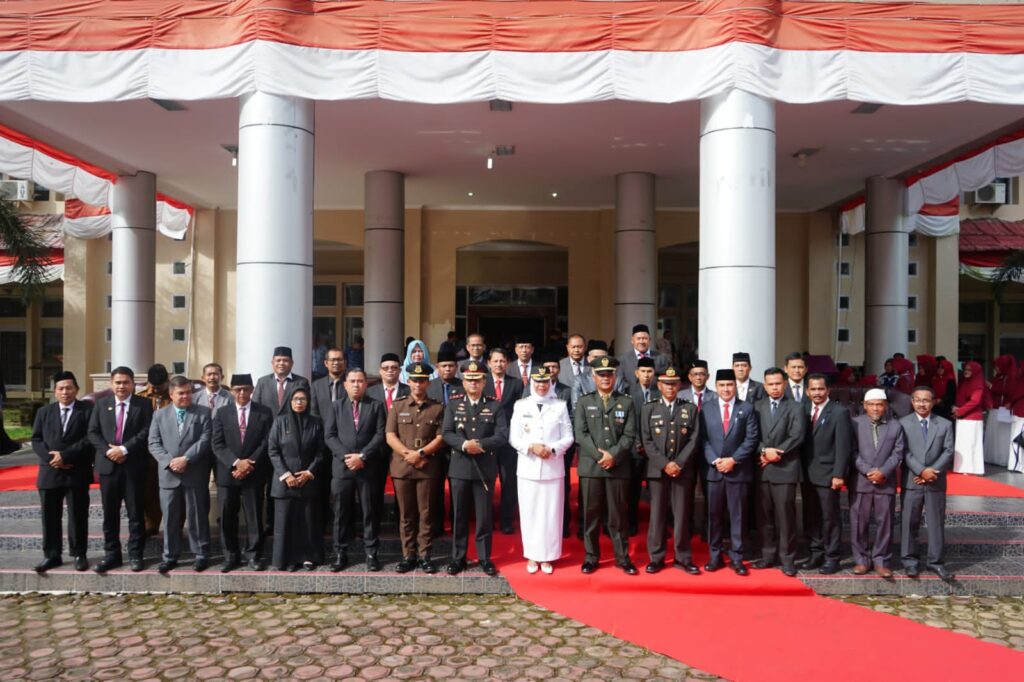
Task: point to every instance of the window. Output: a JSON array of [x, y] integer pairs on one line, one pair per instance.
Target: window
[[12, 357], [40, 193], [354, 294], [843, 335], [108, 334], [323, 328], [53, 307], [11, 307], [844, 302], [669, 296], [844, 268], [179, 367], [108, 367], [912, 302], [911, 336], [912, 239], [460, 302], [1012, 312], [177, 334], [912, 268], [110, 302], [52, 343], [110, 267], [325, 294], [178, 301], [973, 312], [353, 328], [178, 267], [844, 239]]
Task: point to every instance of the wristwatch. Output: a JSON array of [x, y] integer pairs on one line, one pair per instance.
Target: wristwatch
[[421, 453], [362, 457]]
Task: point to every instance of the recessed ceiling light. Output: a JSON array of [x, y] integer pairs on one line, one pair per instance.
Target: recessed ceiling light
[[554, 195], [469, 194]]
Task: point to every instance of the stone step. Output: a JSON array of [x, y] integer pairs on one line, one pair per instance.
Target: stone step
[[989, 577]]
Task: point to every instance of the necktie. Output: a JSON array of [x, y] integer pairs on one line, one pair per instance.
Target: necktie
[[119, 432], [700, 399], [775, 405], [355, 413], [334, 390], [64, 413], [725, 419], [242, 424], [647, 395], [604, 400], [280, 391], [924, 428], [445, 386], [525, 374], [497, 389], [576, 369], [874, 434], [796, 392], [814, 417], [181, 419], [388, 398]]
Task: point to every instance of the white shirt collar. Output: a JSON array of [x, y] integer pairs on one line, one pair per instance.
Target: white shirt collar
[[723, 403]]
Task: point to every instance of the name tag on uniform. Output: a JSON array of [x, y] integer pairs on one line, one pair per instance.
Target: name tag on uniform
[[404, 414], [592, 407]]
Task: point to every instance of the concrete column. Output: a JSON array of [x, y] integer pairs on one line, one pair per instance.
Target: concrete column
[[885, 273], [945, 296], [636, 257], [737, 230], [383, 259], [274, 295], [133, 271]]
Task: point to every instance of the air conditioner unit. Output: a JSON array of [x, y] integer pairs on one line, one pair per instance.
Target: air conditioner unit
[[16, 190], [995, 193]]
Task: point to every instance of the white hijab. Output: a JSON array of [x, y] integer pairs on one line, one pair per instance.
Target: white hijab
[[541, 399]]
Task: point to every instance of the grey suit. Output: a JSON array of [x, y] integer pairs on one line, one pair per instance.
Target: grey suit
[[775, 493], [566, 374], [266, 391], [219, 399], [185, 495], [868, 500], [935, 452], [628, 360]]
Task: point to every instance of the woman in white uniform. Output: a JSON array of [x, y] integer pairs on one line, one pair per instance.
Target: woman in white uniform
[[541, 432]]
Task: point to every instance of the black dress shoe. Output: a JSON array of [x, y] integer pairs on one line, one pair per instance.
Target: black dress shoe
[[137, 565], [230, 564], [507, 530], [813, 563], [427, 566], [489, 568], [740, 568], [654, 567], [713, 566], [372, 563], [257, 565], [405, 565], [46, 564], [627, 567], [829, 568], [761, 564], [789, 571], [687, 566], [293, 567], [166, 567], [107, 565], [633, 529], [309, 565], [200, 564], [943, 573], [340, 562], [81, 563], [913, 571], [588, 567], [456, 567]]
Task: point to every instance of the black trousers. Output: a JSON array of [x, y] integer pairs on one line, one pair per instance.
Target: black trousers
[[724, 495], [438, 503], [467, 493], [295, 536], [231, 500], [567, 481], [130, 488], [346, 492], [776, 522], [675, 494], [52, 500], [603, 496], [932, 505], [638, 472], [823, 522], [508, 460]]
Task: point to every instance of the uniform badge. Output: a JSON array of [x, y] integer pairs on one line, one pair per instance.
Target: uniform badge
[[657, 432], [620, 414]]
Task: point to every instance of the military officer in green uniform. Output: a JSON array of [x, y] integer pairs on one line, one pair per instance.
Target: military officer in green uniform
[[605, 426], [669, 433], [475, 428]]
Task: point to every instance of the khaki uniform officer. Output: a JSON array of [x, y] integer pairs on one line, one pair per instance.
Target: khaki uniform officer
[[605, 426], [414, 435]]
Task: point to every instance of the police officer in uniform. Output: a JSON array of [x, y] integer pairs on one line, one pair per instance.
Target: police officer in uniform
[[669, 430], [475, 428], [605, 426], [414, 435]]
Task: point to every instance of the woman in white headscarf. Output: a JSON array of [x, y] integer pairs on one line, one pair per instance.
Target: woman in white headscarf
[[414, 353], [541, 433]]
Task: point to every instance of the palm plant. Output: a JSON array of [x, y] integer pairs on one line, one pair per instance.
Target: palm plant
[[26, 247]]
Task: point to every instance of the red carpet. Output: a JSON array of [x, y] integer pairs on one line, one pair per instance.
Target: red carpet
[[21, 477], [965, 484]]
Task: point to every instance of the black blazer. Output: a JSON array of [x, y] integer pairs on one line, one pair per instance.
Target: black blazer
[[435, 392], [786, 432], [739, 443], [135, 436], [343, 437], [803, 392], [73, 445], [377, 393], [266, 392], [670, 437], [826, 451], [228, 445], [755, 391], [292, 453], [320, 396], [488, 423]]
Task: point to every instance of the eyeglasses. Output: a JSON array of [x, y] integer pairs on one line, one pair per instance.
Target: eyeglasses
[[300, 400]]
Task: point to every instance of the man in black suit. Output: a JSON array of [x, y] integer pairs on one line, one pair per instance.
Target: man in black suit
[[670, 431], [729, 436], [386, 393], [796, 370], [826, 464], [354, 431], [642, 391], [240, 431], [782, 424], [60, 440], [746, 388], [119, 433], [442, 388], [475, 428], [506, 391], [324, 391], [640, 347]]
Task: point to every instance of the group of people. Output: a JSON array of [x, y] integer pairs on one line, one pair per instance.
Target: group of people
[[283, 451]]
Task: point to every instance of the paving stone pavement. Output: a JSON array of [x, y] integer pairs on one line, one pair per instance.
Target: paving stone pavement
[[999, 620], [281, 636]]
